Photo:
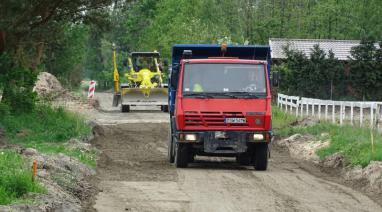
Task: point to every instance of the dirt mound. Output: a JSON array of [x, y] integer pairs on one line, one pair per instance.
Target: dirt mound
[[370, 176], [47, 85], [304, 147], [65, 179]]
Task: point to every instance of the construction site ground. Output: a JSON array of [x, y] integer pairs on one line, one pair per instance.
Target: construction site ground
[[133, 174]]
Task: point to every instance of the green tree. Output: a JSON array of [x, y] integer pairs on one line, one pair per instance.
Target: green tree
[[366, 74]]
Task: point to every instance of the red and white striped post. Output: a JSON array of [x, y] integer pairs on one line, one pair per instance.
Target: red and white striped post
[[91, 91]]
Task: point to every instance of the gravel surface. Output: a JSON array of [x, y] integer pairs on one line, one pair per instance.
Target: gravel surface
[[133, 175]]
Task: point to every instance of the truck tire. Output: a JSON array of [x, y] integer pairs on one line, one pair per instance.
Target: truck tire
[[181, 155], [164, 108], [125, 108], [170, 154], [261, 157]]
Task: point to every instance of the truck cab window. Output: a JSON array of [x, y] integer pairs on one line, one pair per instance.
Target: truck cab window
[[224, 78]]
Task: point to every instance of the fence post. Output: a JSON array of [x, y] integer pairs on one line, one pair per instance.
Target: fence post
[[307, 108], [379, 116], [372, 115], [351, 113], [341, 113], [326, 111], [297, 105], [313, 108], [333, 113], [319, 111], [361, 114]]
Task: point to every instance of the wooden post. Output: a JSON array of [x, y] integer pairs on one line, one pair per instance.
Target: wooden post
[[326, 111], [307, 108], [319, 111], [34, 170], [313, 107]]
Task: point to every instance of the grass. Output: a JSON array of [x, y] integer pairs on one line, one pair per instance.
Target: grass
[[281, 120], [353, 143], [88, 158], [48, 129], [15, 178]]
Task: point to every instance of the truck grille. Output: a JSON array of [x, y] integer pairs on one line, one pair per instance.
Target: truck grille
[[195, 118]]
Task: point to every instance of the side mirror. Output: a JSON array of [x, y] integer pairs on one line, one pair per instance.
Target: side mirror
[[174, 75], [275, 79]]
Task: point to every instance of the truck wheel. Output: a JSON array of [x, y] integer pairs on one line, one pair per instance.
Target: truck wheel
[[261, 156], [170, 155], [244, 159], [125, 108], [181, 156], [164, 108]]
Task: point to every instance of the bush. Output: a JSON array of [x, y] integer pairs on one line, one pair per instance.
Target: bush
[[5, 110], [17, 83], [15, 178]]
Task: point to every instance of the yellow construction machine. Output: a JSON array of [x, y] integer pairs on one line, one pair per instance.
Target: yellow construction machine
[[144, 85]]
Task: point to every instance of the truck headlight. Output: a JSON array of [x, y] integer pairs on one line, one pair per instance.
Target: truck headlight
[[258, 137], [190, 137]]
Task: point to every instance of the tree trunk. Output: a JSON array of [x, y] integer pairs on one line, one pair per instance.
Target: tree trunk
[[2, 41]]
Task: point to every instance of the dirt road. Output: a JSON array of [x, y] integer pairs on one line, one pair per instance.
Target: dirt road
[[133, 175]]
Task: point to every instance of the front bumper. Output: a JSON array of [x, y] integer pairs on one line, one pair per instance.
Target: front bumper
[[223, 142]]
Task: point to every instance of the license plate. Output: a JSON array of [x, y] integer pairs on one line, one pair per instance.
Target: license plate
[[235, 120]]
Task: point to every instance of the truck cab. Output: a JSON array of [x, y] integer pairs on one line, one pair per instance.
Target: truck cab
[[220, 104]]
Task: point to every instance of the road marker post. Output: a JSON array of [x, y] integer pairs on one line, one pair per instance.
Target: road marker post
[[91, 91], [34, 170]]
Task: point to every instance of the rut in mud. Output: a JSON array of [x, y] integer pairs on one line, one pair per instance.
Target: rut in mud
[[134, 175]]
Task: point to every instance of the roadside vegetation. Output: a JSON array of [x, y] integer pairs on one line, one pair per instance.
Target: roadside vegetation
[[354, 143], [15, 179], [47, 129]]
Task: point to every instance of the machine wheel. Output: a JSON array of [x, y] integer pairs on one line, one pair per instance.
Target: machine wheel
[[125, 108], [181, 155], [191, 157], [261, 156], [170, 152], [244, 159], [164, 108]]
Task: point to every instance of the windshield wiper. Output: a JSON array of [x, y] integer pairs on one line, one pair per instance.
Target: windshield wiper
[[247, 95], [199, 95], [228, 94]]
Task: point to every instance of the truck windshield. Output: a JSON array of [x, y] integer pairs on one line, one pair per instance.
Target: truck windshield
[[227, 79]]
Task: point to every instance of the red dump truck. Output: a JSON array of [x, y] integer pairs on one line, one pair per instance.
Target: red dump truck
[[220, 104]]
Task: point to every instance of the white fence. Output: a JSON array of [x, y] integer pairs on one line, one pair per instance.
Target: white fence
[[351, 112]]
